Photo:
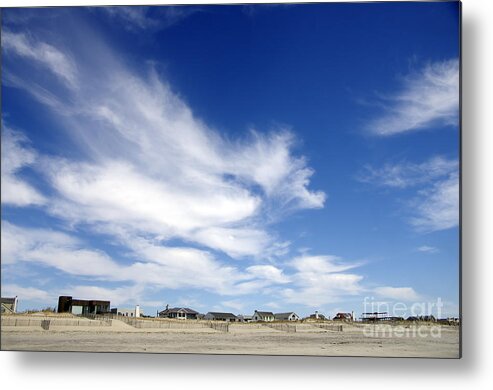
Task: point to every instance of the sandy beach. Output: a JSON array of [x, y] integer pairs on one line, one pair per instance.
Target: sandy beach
[[305, 339]]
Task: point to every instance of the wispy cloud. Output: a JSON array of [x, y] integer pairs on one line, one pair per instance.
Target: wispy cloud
[[437, 207], [178, 197], [157, 169], [398, 293], [427, 249], [156, 175], [318, 280], [407, 174], [138, 18], [268, 272], [153, 265], [428, 97], [234, 304], [130, 295], [435, 204], [53, 249], [307, 280], [42, 53], [27, 293], [16, 155], [37, 91]]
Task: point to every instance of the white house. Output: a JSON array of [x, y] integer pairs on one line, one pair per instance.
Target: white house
[[265, 316], [130, 312], [291, 316]]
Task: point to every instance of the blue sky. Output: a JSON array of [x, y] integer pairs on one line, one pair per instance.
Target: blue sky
[[233, 158]]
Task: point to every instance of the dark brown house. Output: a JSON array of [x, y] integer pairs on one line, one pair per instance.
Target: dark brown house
[[67, 304], [9, 305]]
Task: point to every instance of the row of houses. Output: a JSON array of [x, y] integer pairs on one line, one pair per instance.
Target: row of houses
[[267, 316], [186, 313], [67, 304], [384, 316]]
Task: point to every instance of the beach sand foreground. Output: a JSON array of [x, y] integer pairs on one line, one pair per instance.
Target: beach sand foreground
[[256, 339]]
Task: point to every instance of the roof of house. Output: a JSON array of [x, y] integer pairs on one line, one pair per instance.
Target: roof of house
[[421, 318], [92, 302], [284, 316], [343, 315], [179, 309], [264, 313], [7, 301], [317, 314], [221, 315]]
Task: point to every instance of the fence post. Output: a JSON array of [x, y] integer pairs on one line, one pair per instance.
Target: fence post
[[45, 324]]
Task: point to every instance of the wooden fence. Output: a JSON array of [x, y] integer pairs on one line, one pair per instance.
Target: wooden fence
[[49, 322], [334, 328], [160, 323], [220, 326], [282, 327]]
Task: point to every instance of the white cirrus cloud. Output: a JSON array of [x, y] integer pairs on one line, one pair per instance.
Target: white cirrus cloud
[[320, 280], [117, 296], [398, 293], [146, 264], [145, 172], [272, 305], [16, 155], [427, 249], [42, 53], [117, 192], [435, 203], [268, 272], [323, 264], [133, 17], [53, 249], [408, 174], [428, 97], [139, 18], [234, 304], [437, 207], [157, 169], [27, 293]]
